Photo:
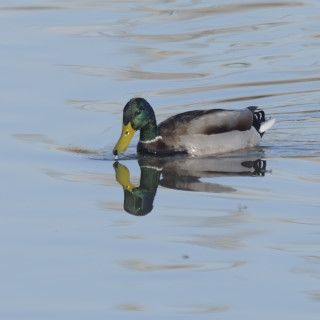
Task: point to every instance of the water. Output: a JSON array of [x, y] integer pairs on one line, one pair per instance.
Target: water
[[234, 236]]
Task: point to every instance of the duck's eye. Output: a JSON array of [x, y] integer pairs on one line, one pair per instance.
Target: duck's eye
[[137, 112], [126, 133]]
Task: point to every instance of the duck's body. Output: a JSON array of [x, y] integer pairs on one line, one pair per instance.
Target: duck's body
[[200, 132]]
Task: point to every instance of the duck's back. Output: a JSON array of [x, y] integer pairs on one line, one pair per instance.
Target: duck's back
[[206, 122]]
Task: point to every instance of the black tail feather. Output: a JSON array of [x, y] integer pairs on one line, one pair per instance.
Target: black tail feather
[[258, 118]]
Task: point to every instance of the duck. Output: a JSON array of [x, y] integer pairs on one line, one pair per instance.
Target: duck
[[197, 132]]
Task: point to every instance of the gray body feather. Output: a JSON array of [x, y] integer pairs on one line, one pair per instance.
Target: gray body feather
[[207, 132]]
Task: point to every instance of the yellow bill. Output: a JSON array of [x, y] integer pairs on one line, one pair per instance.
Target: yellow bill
[[125, 138]]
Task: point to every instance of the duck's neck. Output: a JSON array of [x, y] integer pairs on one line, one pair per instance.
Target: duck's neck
[[149, 132]]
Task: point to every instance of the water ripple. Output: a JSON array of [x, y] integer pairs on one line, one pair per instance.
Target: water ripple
[[204, 88], [134, 73]]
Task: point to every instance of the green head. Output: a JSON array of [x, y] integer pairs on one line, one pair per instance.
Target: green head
[[137, 115]]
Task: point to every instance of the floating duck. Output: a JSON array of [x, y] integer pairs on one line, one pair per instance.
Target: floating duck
[[198, 132]]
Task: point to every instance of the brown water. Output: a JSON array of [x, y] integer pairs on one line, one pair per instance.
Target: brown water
[[234, 236]]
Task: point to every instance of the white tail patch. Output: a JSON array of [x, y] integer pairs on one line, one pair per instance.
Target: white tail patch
[[266, 125]]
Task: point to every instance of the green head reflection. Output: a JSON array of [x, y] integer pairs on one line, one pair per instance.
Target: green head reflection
[[138, 200]]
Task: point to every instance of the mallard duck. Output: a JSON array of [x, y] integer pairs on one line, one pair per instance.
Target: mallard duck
[[198, 132]]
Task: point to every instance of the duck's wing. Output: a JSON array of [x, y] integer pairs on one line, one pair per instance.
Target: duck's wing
[[207, 122]]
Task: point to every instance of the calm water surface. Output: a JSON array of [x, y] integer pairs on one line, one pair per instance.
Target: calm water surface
[[227, 237]]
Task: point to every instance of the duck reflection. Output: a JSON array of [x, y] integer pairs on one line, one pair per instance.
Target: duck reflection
[[182, 174]]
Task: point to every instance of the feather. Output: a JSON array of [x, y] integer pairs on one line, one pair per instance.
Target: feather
[[206, 122], [266, 125]]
